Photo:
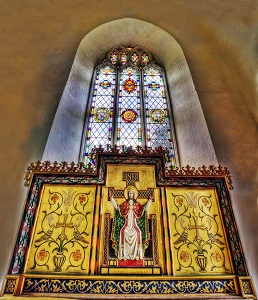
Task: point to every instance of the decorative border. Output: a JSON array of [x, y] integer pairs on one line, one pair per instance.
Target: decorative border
[[209, 171], [63, 167], [125, 286], [137, 153], [106, 235], [99, 285], [154, 240]]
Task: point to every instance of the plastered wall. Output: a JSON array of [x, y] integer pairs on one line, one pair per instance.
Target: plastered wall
[[39, 40]]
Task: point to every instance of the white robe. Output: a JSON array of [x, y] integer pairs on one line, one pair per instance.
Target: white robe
[[130, 244]]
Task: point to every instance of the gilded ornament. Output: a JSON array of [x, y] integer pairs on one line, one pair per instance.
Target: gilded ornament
[[216, 256], [184, 256], [157, 116], [42, 255], [101, 114]]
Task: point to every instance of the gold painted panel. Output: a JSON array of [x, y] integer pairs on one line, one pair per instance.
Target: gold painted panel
[[121, 179], [62, 237], [197, 235], [145, 180]]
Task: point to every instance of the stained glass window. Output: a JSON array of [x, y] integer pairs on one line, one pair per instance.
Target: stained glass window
[[99, 129], [158, 127], [129, 104], [129, 108]]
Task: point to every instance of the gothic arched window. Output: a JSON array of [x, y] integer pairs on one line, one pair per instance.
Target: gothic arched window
[[129, 104]]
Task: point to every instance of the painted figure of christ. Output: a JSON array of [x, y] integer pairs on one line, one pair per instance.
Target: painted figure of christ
[[132, 239]]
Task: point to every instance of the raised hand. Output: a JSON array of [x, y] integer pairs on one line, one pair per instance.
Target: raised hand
[[111, 194], [147, 205], [151, 196], [111, 197]]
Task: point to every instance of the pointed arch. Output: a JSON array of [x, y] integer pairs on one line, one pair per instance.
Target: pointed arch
[[129, 104], [193, 139]]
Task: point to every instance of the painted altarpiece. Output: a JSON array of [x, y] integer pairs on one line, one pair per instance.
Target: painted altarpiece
[[128, 227]]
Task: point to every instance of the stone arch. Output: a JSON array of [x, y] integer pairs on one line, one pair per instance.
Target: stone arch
[[193, 139]]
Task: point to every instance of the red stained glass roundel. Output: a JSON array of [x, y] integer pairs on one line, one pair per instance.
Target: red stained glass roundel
[[129, 115], [129, 85]]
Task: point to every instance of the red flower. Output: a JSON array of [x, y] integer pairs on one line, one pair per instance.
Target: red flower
[[179, 201], [205, 201], [216, 256], [54, 198], [82, 199], [184, 256], [77, 255], [42, 254]]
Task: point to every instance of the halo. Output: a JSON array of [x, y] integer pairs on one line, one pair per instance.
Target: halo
[[128, 188]]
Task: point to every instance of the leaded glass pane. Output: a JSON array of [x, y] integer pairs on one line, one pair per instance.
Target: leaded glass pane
[[113, 57], [145, 59], [157, 117], [124, 58], [99, 129], [135, 58], [129, 108], [129, 105]]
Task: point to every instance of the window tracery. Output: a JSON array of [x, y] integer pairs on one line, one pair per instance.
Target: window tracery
[[129, 106]]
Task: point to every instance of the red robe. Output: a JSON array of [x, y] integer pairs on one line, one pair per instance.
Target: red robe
[[138, 210]]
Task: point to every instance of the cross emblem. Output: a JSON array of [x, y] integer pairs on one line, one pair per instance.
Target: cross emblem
[[130, 178], [197, 227], [64, 225]]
